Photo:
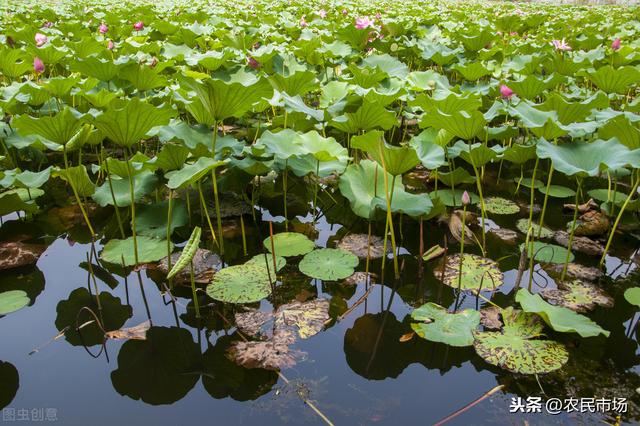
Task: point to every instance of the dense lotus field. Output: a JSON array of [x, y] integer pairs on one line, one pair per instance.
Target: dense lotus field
[[394, 180]]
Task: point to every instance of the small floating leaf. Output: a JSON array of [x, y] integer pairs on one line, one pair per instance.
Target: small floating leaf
[[633, 295], [499, 205], [245, 283], [557, 191], [522, 225], [329, 264], [11, 301], [363, 245], [477, 272], [289, 244], [453, 329], [149, 250], [547, 253]]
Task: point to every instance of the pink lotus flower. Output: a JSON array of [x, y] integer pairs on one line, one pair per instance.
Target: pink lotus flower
[[378, 15], [506, 91], [345, 12], [466, 199], [363, 22], [322, 13], [251, 61], [110, 45], [561, 45], [103, 29], [138, 26], [41, 39], [38, 65], [47, 24], [303, 22], [616, 44]]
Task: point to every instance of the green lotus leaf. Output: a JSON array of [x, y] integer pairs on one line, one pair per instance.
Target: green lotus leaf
[[606, 196], [102, 69], [560, 319], [149, 250], [217, 99], [297, 83], [143, 77], [544, 232], [547, 253], [615, 80], [59, 128], [369, 116], [463, 124], [472, 71], [259, 259], [632, 295], [621, 128], [516, 348], [577, 295], [128, 124], [246, 283], [456, 177], [557, 191], [13, 300], [25, 194], [431, 154], [31, 180], [15, 62], [77, 177], [454, 329], [519, 154], [192, 173], [396, 160], [151, 219], [586, 159], [288, 244], [363, 185], [329, 264], [11, 202], [172, 157], [499, 205], [532, 86], [478, 273], [143, 184]]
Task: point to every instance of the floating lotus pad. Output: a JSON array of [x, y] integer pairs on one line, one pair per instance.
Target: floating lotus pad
[[547, 253], [11, 301], [259, 260], [288, 244], [455, 329], [329, 264], [363, 245], [515, 348], [246, 283], [632, 295], [522, 225], [557, 191], [499, 205], [149, 250], [577, 296], [477, 272]]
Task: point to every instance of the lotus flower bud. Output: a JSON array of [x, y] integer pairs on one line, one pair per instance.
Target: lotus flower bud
[[110, 45], [363, 22], [138, 26], [253, 63], [615, 45], [38, 65], [506, 92], [303, 22], [465, 198], [345, 12], [41, 39], [103, 28], [322, 13]]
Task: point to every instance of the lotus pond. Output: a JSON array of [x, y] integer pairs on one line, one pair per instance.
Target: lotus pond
[[338, 212]]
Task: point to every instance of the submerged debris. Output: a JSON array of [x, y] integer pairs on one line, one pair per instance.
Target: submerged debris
[[581, 244], [272, 354], [575, 270], [138, 332], [490, 318], [363, 245], [507, 235], [592, 223]]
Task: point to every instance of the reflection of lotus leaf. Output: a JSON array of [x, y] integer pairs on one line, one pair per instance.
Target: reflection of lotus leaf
[[10, 383], [149, 250], [499, 205], [223, 378], [13, 300], [272, 354], [547, 253], [514, 348], [522, 225], [577, 296], [453, 329], [114, 315], [363, 245], [329, 264], [159, 370], [477, 273], [560, 319], [245, 283], [288, 244]]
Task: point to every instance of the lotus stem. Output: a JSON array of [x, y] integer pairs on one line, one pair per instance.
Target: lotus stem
[[618, 217], [315, 190], [193, 290], [77, 196], [133, 210], [169, 213], [244, 236], [389, 223], [544, 203], [482, 206], [284, 191], [464, 217], [115, 203], [573, 229], [206, 213], [215, 191], [273, 251]]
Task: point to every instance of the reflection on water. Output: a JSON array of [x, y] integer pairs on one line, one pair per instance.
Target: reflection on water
[[357, 370]]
